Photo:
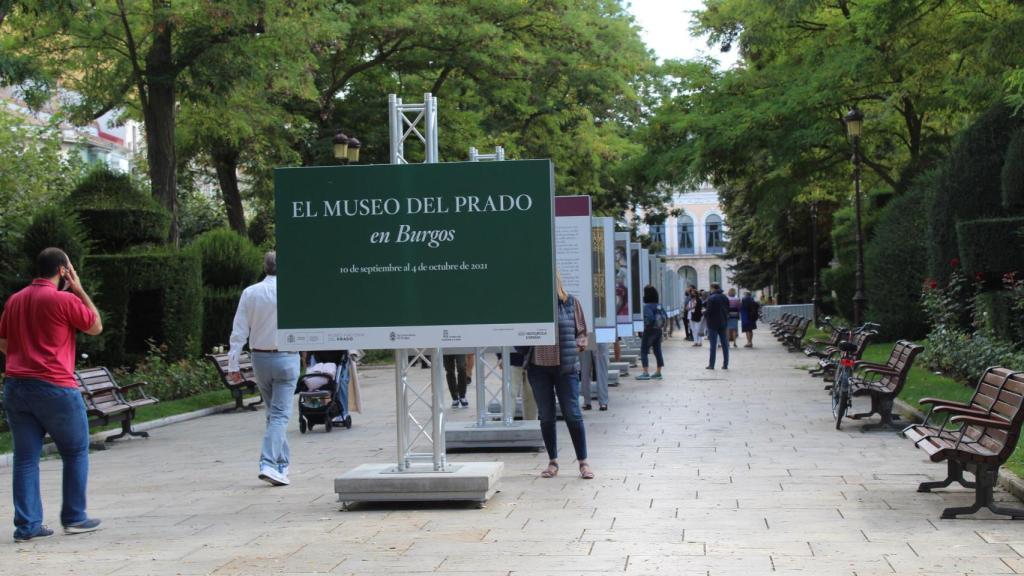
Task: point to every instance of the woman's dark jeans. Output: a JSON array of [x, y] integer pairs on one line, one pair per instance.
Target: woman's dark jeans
[[651, 339], [547, 383]]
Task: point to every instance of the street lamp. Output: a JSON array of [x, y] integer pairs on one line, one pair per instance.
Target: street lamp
[[816, 291], [854, 123], [346, 148]]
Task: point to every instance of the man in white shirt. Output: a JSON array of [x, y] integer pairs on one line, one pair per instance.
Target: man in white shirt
[[276, 372]]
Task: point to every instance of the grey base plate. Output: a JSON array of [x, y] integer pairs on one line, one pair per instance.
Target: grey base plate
[[464, 481], [468, 435]]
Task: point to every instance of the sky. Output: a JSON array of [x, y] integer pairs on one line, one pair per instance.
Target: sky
[[666, 29]]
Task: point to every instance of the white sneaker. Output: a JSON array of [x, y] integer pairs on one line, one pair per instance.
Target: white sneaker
[[273, 477]]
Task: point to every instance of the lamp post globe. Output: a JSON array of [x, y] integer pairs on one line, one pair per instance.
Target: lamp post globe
[[341, 142]]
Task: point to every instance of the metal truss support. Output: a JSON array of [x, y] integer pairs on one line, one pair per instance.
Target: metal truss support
[[475, 156]]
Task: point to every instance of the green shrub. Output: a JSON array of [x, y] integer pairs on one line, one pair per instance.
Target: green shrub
[[895, 265], [969, 186], [262, 229], [116, 213], [1013, 174], [965, 356], [55, 226], [219, 305], [169, 379], [996, 314], [991, 247], [228, 258], [840, 280], [153, 294]]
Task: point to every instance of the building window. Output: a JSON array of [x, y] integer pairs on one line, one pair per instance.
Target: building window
[[715, 235], [689, 276], [684, 225], [715, 273], [657, 235]]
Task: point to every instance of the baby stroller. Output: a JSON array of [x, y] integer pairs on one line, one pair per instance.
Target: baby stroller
[[322, 391]]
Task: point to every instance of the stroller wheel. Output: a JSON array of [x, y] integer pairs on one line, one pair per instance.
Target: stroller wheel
[[348, 422], [328, 425], [302, 425]]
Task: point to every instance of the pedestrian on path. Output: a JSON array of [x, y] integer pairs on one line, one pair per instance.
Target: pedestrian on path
[[456, 374], [600, 367], [748, 317], [734, 317], [695, 310], [655, 320], [276, 372], [554, 371], [716, 314], [521, 384], [41, 396]]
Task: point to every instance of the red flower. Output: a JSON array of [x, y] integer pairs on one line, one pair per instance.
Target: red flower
[[979, 276], [933, 285], [954, 262]]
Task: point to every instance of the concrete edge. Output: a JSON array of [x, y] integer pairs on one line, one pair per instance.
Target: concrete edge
[[1007, 480], [50, 448]]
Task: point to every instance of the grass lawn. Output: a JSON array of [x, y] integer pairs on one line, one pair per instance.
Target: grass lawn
[[923, 383], [153, 412]]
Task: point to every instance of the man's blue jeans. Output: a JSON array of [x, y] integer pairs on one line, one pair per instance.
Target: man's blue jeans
[[276, 374], [35, 408], [716, 335], [547, 383]]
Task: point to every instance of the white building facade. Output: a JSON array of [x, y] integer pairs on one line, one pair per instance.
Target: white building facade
[[694, 242]]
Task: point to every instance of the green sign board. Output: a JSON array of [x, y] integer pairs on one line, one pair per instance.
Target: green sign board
[[415, 255]]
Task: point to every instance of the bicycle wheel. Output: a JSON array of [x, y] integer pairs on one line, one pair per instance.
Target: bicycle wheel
[[843, 402], [834, 390]]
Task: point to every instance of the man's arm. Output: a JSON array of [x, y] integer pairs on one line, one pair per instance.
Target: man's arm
[[75, 284], [239, 336]]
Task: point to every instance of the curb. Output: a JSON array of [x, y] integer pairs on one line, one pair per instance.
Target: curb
[[1007, 480], [6, 460]]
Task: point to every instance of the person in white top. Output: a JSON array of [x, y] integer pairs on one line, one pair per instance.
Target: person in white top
[[276, 372]]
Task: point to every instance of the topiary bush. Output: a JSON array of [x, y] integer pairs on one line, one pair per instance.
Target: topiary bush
[[152, 296], [1013, 174], [895, 264], [228, 258], [55, 226], [219, 305], [970, 185], [990, 248], [116, 213]]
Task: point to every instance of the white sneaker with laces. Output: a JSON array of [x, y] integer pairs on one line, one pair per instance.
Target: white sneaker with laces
[[273, 477]]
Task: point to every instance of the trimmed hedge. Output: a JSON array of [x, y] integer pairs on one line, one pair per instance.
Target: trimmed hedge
[[1013, 174], [54, 226], [971, 185], [895, 265], [228, 258], [997, 316], [116, 213], [991, 247], [149, 295], [219, 305]]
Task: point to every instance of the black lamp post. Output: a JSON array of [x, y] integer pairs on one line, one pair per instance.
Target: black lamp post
[[854, 122], [816, 291]]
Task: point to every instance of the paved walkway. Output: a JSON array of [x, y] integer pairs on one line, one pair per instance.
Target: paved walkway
[[735, 472]]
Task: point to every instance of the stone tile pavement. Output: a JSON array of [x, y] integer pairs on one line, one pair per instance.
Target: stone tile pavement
[[736, 472]]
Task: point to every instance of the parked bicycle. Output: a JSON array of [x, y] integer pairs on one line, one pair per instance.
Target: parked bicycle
[[847, 357]]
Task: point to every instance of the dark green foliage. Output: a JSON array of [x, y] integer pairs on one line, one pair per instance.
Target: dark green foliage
[[991, 247], [169, 379], [841, 281], [228, 258], [55, 226], [219, 305], [261, 229], [153, 295], [970, 187], [116, 213], [895, 264], [1013, 174], [996, 313]]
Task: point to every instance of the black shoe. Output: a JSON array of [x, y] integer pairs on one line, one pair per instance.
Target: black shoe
[[603, 408], [87, 525], [455, 403], [464, 402], [725, 367], [587, 407], [709, 367], [43, 532]]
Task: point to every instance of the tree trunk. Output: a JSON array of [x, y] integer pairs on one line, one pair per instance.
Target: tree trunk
[[225, 162], [158, 113]]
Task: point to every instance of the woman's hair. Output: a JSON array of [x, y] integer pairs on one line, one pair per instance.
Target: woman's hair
[[562, 294], [650, 294]]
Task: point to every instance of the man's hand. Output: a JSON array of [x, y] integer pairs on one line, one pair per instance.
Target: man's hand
[[73, 281], [235, 377]]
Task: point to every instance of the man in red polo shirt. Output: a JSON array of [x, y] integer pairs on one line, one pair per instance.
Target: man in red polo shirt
[[37, 334]]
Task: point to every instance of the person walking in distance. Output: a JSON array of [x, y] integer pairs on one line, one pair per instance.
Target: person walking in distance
[[716, 314], [695, 311], [37, 335], [554, 372], [749, 309], [655, 320], [456, 373], [276, 372], [734, 316]]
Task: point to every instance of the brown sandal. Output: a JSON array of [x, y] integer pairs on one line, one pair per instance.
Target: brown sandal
[[585, 472], [551, 471]]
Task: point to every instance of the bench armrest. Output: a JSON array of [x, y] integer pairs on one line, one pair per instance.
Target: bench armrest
[[883, 370], [987, 422], [943, 402], [134, 385], [865, 364], [959, 410]]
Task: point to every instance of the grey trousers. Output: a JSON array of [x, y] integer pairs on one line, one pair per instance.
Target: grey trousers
[[600, 367]]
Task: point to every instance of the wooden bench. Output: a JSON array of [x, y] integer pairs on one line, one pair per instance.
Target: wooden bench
[[786, 323], [883, 382], [793, 339], [238, 389], [106, 402], [828, 363], [818, 348], [976, 437]]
